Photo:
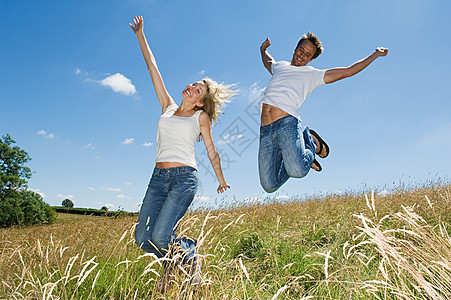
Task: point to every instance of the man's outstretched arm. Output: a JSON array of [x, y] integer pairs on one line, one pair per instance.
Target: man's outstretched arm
[[336, 74], [266, 57]]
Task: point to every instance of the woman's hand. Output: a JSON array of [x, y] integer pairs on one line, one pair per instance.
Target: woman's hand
[[137, 25], [223, 187], [162, 94]]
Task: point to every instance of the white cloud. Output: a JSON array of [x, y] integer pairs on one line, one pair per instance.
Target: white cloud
[[119, 83], [122, 196], [107, 188], [128, 141], [230, 138], [128, 183], [78, 71], [45, 134], [147, 144], [202, 72], [255, 92], [252, 200], [65, 196], [38, 191], [109, 205], [91, 188], [282, 197], [89, 146], [202, 198]]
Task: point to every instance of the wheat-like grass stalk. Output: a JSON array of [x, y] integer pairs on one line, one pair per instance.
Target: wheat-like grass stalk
[[414, 256], [405, 254]]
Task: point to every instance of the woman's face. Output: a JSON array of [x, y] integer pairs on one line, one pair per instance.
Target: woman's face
[[194, 93]]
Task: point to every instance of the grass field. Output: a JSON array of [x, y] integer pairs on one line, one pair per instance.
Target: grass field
[[352, 246]]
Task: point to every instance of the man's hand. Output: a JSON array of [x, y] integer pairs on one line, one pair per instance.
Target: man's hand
[[266, 57], [335, 74], [265, 44], [381, 51]]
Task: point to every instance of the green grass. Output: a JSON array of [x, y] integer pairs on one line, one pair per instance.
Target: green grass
[[353, 246], [73, 218]]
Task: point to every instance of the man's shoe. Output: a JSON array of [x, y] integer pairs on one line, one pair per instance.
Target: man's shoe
[[316, 166], [322, 149]]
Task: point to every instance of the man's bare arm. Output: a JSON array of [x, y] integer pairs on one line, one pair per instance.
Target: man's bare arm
[[336, 74], [266, 57]]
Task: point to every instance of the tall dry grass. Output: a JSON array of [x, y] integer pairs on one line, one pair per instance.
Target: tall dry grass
[[352, 246]]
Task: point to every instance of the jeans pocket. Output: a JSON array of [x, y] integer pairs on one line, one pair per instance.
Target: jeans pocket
[[188, 171]]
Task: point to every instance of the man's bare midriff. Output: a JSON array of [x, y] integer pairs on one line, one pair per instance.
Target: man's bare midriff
[[271, 113]]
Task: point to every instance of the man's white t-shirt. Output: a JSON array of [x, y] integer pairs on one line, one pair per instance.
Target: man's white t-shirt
[[290, 85]]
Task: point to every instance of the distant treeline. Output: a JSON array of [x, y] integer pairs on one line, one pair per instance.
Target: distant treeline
[[93, 212]]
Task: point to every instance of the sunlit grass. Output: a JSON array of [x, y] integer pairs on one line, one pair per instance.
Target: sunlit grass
[[352, 246]]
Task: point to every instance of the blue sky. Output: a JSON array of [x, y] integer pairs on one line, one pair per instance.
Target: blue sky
[[76, 95]]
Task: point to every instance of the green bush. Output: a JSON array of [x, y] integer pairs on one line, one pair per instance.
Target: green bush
[[67, 203], [19, 206], [25, 208], [10, 212], [35, 210], [50, 213], [93, 212]]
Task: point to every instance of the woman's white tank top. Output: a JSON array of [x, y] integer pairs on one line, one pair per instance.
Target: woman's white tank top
[[176, 137]]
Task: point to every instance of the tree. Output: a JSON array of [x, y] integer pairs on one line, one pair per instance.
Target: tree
[[13, 172], [67, 203], [19, 206]]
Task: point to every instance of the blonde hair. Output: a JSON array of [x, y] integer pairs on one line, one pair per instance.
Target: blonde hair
[[217, 96]]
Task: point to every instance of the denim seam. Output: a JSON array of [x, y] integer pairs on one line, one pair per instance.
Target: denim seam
[[174, 224]]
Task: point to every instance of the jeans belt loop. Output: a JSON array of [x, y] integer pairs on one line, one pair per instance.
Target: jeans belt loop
[[180, 170]]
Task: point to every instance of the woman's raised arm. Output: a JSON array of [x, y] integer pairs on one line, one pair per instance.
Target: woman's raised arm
[[162, 94]]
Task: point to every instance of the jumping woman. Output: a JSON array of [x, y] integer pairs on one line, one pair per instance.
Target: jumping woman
[[174, 180]]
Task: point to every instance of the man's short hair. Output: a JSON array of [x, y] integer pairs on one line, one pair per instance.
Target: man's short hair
[[315, 41]]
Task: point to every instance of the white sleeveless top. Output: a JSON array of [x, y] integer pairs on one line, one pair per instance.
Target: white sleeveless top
[[176, 137]]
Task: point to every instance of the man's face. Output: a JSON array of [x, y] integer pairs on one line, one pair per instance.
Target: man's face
[[303, 54]]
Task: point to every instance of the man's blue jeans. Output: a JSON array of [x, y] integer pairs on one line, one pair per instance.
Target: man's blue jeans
[[169, 194], [285, 151]]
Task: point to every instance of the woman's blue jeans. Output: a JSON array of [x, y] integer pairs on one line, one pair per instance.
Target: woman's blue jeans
[[285, 151], [169, 194]]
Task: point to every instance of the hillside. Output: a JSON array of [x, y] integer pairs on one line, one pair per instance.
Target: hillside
[[352, 246]]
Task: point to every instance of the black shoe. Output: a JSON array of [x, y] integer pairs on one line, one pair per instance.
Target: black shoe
[[316, 166], [322, 149]]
